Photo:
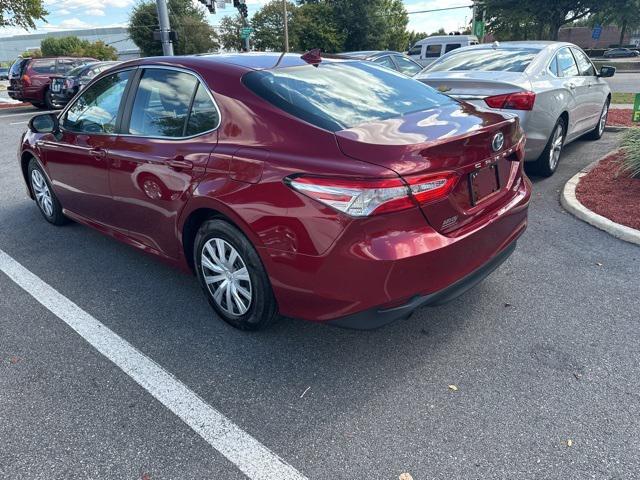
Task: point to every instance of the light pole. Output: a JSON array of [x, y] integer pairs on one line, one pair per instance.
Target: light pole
[[165, 28], [286, 27]]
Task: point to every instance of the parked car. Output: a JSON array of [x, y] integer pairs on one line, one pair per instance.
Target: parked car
[[64, 87], [621, 53], [30, 78], [4, 73], [393, 60], [333, 191], [552, 86], [429, 49]]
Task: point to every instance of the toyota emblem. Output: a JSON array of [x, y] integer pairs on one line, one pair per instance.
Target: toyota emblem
[[497, 142]]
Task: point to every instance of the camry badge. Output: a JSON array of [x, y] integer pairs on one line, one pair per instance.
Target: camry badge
[[497, 142]]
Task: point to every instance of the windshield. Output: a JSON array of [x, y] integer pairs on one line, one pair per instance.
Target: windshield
[[487, 60], [339, 95]]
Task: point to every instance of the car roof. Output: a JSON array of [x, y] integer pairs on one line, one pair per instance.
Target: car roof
[[364, 54], [445, 38]]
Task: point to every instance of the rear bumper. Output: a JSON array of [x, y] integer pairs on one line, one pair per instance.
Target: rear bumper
[[384, 267], [375, 318]]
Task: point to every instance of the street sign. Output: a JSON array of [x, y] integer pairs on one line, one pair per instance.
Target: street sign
[[636, 109], [478, 28], [246, 32], [596, 32]]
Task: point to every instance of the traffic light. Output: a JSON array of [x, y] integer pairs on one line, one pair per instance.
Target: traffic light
[[241, 5], [209, 4]]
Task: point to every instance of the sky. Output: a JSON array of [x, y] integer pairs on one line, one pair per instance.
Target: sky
[[75, 14]]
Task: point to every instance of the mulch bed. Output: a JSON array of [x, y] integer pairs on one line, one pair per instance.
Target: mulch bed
[[620, 117], [607, 192]]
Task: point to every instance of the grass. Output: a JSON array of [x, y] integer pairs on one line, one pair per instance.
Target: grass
[[631, 147], [619, 97]]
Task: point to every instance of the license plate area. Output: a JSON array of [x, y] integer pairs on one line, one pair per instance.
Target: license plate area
[[56, 86], [483, 183]]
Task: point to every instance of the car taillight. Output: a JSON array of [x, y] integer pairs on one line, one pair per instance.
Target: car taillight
[[362, 198], [26, 80], [512, 101]]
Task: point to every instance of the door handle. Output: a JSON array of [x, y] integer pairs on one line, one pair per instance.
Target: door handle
[[571, 86], [98, 153], [180, 163]]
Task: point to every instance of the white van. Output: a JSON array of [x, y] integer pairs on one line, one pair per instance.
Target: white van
[[428, 49]]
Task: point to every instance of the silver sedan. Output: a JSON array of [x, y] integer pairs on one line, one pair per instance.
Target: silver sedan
[[552, 86]]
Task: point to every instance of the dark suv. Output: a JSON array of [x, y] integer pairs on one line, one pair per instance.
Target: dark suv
[[30, 78]]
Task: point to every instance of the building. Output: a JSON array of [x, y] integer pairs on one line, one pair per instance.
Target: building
[[581, 36], [117, 37]]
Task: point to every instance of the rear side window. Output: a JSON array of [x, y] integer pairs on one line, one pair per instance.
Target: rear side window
[[486, 60], [406, 66], [386, 62], [161, 104], [415, 50], [451, 46], [433, 51], [96, 110], [204, 115], [339, 95], [566, 63], [44, 66]]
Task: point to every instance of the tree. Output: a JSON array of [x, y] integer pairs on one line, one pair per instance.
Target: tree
[[313, 26], [21, 13], [195, 35], [229, 32], [623, 13], [75, 47], [268, 25]]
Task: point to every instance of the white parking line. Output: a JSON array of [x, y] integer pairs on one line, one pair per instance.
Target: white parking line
[[254, 459], [19, 123]]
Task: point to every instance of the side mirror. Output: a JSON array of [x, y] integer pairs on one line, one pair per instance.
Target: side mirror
[[606, 72], [44, 123]]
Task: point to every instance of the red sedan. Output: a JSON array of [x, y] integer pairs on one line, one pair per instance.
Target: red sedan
[[335, 191]]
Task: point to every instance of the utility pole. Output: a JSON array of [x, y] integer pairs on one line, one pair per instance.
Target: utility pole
[[286, 27], [165, 28]]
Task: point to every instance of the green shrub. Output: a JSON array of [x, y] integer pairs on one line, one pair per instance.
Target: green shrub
[[631, 148]]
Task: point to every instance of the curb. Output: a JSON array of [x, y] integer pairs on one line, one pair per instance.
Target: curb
[[572, 205], [616, 128]]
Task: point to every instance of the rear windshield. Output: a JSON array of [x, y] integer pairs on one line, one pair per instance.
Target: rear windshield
[[16, 68], [487, 60], [339, 95]]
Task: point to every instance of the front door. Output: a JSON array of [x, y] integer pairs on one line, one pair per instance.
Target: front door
[[78, 159], [167, 138]]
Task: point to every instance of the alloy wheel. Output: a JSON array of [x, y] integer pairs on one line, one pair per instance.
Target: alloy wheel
[[556, 146], [603, 119], [42, 192], [226, 275]]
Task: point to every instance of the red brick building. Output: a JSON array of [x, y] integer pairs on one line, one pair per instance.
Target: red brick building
[[581, 36]]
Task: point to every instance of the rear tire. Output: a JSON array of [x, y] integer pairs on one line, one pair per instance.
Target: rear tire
[[548, 162], [232, 276], [46, 200], [596, 133]]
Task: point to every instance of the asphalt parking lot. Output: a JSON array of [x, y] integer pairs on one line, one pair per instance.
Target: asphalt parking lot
[[543, 352]]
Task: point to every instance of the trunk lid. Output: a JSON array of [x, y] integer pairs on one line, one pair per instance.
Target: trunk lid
[[453, 138], [476, 85]]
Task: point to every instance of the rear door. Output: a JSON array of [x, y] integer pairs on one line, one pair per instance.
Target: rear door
[[170, 130], [38, 75], [77, 160]]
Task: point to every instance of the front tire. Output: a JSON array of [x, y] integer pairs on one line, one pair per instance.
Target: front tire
[[46, 200], [49, 104], [596, 133], [232, 276], [548, 162]]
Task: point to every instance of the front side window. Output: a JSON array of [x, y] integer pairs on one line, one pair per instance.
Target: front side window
[[339, 95], [96, 110], [566, 63], [415, 50], [433, 51], [585, 67], [161, 104], [406, 66]]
